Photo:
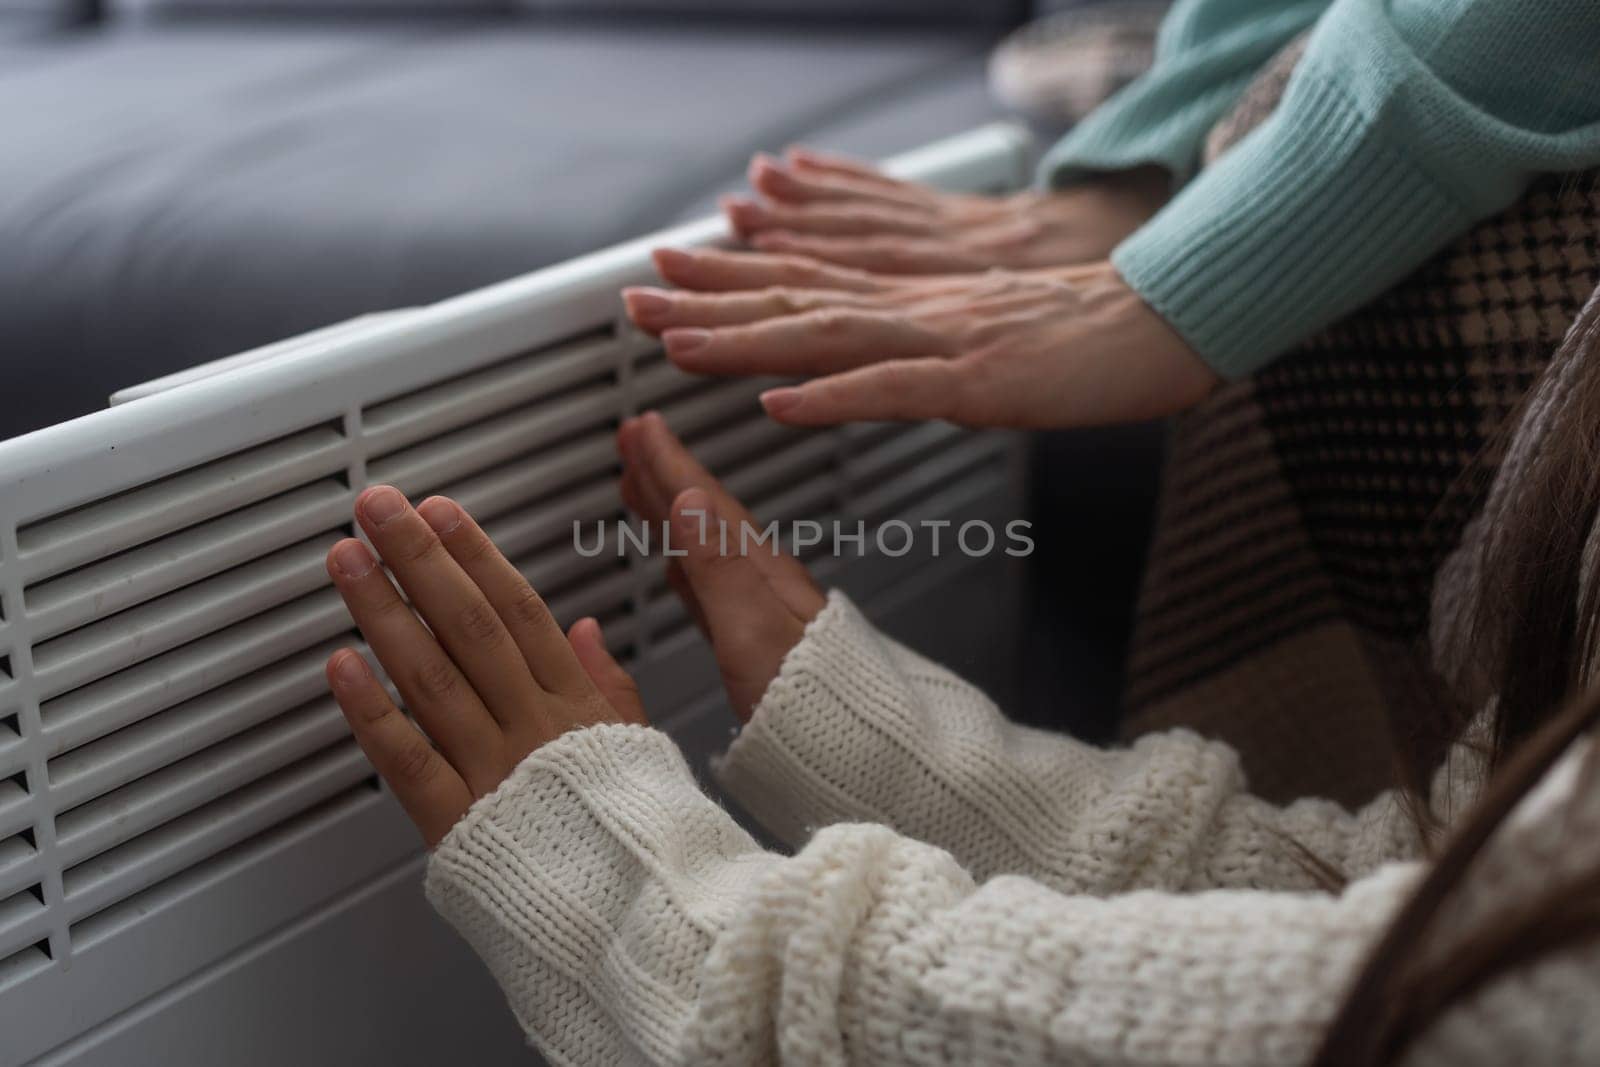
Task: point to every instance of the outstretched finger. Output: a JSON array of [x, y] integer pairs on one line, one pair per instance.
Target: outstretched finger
[[750, 626], [818, 342], [541, 646], [454, 606], [898, 391], [432, 793], [614, 683], [879, 254], [777, 182], [837, 219], [660, 468], [713, 270], [802, 158], [430, 683], [654, 310]]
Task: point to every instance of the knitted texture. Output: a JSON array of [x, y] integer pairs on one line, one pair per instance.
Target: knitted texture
[[1306, 511], [629, 920], [1405, 122], [1207, 52], [858, 728], [1060, 67]]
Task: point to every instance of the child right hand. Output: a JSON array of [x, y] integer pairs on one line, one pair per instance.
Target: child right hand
[[752, 608]]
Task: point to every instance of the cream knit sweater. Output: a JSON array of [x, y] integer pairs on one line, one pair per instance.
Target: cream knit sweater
[[968, 891]]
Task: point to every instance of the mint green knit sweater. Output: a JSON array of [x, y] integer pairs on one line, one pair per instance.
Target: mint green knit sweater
[[1405, 122]]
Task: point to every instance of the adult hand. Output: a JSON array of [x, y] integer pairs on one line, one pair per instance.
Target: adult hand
[[848, 213], [752, 602], [1069, 347], [490, 677]]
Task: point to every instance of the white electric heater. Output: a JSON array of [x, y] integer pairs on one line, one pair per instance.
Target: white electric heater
[[197, 866]]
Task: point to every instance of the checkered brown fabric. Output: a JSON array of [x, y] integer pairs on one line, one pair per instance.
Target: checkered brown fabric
[[1305, 511]]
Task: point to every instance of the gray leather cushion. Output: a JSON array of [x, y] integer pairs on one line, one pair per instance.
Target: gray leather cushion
[[983, 11], [973, 11], [179, 193]]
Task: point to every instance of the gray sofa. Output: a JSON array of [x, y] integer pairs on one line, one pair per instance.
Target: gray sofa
[[183, 185], [191, 183]]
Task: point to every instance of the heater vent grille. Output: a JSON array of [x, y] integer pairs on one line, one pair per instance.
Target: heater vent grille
[[165, 730], [178, 635]]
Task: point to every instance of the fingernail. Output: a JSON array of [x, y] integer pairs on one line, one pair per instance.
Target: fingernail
[[668, 258], [748, 210], [383, 504], [693, 500], [443, 515], [645, 303], [769, 172], [351, 670], [682, 342], [352, 559], [781, 401]]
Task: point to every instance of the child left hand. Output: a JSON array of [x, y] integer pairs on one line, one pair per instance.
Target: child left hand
[[494, 679]]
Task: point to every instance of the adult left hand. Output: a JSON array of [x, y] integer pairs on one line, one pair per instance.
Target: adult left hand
[[485, 669], [850, 213]]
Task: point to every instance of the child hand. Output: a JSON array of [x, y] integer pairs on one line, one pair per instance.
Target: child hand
[[753, 607], [493, 680]]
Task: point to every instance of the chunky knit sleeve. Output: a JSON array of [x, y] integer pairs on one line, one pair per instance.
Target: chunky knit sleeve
[[629, 920], [857, 728]]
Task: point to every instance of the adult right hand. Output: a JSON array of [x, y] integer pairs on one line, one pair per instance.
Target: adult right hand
[[841, 211], [1045, 349]]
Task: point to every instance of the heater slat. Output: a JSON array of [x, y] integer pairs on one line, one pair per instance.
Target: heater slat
[[141, 574], [172, 735], [426, 467], [23, 919], [19, 865], [94, 531], [100, 649], [184, 673], [471, 398], [215, 772], [144, 861], [910, 445], [551, 522]]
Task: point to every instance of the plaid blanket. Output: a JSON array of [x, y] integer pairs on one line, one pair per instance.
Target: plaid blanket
[[1305, 512]]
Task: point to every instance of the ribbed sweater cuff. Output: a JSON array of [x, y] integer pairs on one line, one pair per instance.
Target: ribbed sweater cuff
[[591, 848], [783, 789], [1306, 219], [858, 729]]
